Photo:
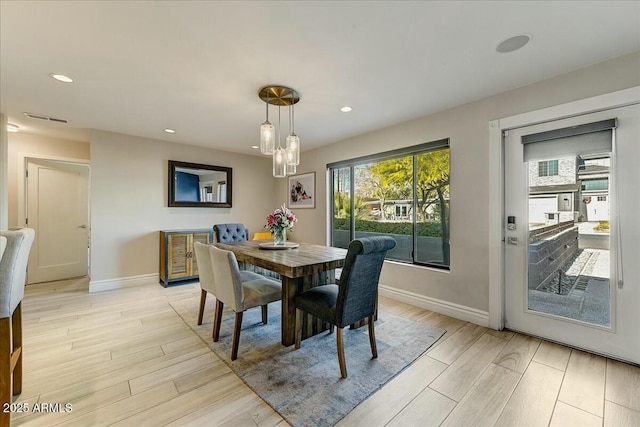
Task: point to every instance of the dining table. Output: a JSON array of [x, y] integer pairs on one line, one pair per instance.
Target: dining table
[[301, 266]]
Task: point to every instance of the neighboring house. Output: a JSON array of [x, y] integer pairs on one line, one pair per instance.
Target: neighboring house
[[569, 189], [553, 191], [593, 175]]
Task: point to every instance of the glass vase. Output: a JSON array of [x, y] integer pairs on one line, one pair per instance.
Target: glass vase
[[280, 237]]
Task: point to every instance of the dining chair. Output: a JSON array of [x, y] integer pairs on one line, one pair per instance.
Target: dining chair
[[207, 279], [354, 296], [13, 268], [240, 290], [225, 233], [207, 284], [235, 232]]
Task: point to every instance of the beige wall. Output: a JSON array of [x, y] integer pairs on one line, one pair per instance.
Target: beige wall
[[129, 200], [4, 198], [23, 145], [467, 126]]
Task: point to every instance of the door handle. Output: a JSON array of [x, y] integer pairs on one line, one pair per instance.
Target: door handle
[[82, 226]]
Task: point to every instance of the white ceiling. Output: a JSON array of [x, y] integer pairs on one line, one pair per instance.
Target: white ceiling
[[196, 67]]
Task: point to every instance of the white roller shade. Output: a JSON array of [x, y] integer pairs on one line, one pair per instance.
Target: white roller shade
[[592, 138]]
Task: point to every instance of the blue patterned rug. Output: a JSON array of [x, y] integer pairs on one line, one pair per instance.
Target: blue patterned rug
[[304, 386]]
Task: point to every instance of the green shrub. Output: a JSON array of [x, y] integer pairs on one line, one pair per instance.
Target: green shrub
[[425, 229]]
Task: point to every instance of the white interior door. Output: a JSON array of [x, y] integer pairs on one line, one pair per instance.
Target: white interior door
[[58, 211], [570, 279]]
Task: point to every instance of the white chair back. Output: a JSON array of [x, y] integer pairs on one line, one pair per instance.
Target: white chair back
[[13, 268]]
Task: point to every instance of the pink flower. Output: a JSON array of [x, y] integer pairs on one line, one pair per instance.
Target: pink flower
[[281, 218]]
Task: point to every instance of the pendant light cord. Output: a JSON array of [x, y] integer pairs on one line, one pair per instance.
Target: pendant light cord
[[279, 127]]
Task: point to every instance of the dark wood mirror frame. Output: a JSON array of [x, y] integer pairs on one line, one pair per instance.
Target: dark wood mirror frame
[[197, 193]]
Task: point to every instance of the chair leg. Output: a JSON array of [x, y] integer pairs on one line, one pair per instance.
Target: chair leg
[[343, 365], [16, 332], [265, 316], [298, 327], [372, 337], [203, 298], [236, 336], [5, 368], [217, 320]]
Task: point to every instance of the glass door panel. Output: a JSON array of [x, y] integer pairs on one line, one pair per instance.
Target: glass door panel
[[568, 243]]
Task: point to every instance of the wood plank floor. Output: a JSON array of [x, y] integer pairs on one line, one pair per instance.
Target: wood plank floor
[[124, 357]]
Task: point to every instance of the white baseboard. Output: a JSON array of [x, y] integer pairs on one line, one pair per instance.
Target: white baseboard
[[468, 314], [123, 282]]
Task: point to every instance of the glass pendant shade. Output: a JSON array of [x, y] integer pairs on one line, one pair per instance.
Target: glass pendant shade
[[291, 169], [266, 138], [279, 163], [293, 149]]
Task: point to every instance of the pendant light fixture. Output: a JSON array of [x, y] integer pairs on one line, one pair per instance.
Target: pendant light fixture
[[266, 134], [293, 142], [279, 155], [285, 159]]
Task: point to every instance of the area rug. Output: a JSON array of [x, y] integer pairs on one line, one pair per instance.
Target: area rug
[[304, 386]]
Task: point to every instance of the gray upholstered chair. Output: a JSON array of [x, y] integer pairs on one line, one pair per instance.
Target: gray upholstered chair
[[207, 284], [13, 268], [207, 280], [353, 298], [240, 290]]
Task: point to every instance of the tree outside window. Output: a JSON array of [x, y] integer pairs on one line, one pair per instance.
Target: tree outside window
[[406, 197]]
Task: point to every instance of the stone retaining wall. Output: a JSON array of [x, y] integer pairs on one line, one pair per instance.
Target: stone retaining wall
[[550, 249]]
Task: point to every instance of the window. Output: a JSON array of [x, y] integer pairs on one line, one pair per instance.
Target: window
[[548, 168], [404, 194], [595, 184], [602, 198]]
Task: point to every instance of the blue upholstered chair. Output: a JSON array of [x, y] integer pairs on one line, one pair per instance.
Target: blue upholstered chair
[[241, 290], [353, 298], [227, 233], [13, 268]]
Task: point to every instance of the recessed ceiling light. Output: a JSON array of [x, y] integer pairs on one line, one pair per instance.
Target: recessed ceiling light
[[12, 128], [346, 109], [170, 131], [62, 78], [514, 43], [255, 147]]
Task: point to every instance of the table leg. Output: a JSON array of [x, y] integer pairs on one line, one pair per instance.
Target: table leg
[[289, 289]]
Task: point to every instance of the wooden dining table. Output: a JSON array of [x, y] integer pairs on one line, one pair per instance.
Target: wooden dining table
[[300, 268]]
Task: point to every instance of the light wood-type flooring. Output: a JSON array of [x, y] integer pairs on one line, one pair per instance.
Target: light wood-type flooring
[[124, 357]]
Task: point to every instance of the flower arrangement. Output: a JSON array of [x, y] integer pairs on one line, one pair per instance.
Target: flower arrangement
[[281, 219]]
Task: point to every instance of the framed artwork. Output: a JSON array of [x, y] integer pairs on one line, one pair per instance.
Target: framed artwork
[[302, 191]]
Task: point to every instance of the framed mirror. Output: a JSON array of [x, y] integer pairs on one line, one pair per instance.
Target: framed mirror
[[196, 185]]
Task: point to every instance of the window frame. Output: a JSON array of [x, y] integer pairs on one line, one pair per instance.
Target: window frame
[[413, 151], [546, 165]]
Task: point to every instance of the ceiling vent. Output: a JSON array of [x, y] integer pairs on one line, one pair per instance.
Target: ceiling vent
[[41, 117]]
